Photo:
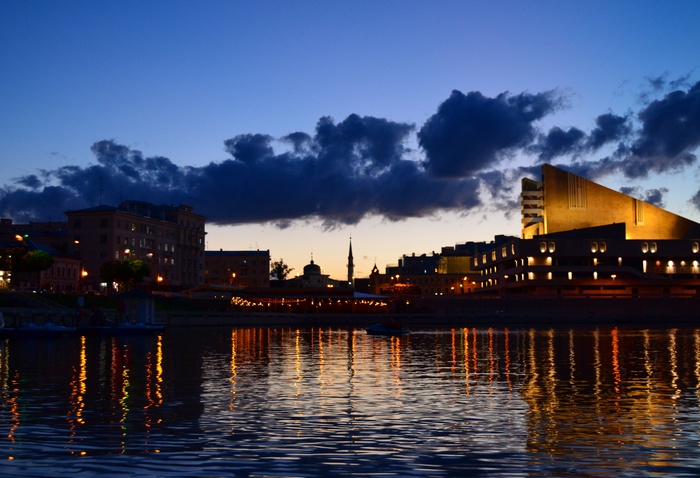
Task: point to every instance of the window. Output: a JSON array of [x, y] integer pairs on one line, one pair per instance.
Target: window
[[543, 247]]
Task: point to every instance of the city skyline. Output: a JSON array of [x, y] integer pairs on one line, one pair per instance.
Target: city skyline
[[405, 126]]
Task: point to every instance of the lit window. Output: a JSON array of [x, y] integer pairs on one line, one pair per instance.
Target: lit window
[[696, 247], [695, 263], [550, 247], [602, 247], [512, 248], [670, 264], [595, 276], [543, 246], [504, 251], [549, 276], [571, 275], [652, 247], [645, 247], [493, 255], [594, 247], [644, 266], [483, 258]]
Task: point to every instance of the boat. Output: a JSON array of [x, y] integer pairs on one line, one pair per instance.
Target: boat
[[393, 329]]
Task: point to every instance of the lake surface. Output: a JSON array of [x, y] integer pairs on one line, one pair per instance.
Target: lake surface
[[333, 401]]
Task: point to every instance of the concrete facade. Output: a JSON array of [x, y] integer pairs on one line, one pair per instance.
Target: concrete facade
[[580, 238]]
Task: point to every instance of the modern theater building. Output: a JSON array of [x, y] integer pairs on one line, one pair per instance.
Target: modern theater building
[[581, 238]]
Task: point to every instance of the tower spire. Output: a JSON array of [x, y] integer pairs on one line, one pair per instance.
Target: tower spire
[[351, 265]]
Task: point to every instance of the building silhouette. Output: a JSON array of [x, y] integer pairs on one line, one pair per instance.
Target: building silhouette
[[237, 268]]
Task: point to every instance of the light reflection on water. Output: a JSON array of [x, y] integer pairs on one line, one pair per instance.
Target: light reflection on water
[[310, 402]]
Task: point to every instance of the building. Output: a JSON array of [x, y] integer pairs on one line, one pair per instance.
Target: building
[[237, 268], [580, 238], [447, 272], [563, 201], [169, 238]]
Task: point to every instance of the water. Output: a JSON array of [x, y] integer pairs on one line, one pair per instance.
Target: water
[[332, 401]]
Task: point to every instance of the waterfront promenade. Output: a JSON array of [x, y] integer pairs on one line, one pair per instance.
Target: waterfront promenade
[[438, 312]]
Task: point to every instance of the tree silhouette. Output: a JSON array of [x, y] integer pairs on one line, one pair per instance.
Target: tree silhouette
[[127, 273], [280, 270]]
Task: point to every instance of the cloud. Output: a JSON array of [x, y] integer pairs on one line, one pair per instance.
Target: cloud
[[361, 166], [471, 133], [559, 142], [664, 138], [343, 172], [652, 196]]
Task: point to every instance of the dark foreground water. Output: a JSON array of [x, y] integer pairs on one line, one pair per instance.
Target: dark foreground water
[[319, 402]]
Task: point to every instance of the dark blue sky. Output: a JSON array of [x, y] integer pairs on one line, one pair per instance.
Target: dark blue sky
[[404, 124]]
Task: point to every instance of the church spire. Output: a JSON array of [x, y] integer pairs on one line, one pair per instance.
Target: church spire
[[351, 265]]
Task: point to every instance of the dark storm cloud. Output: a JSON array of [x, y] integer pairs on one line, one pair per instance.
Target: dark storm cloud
[[670, 130], [574, 142], [664, 138], [559, 142], [344, 171], [609, 128], [652, 196], [470, 133]]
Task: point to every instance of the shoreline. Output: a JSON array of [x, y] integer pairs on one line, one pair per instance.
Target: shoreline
[[444, 312]]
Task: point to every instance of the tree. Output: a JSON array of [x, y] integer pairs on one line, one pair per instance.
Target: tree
[[23, 263], [280, 270], [126, 272], [37, 261]]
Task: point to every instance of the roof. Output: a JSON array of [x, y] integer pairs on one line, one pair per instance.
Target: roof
[[221, 252]]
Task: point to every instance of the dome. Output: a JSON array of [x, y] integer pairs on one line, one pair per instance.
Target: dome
[[312, 268]]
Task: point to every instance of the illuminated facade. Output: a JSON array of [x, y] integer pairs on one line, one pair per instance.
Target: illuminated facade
[[444, 273], [563, 201], [581, 238], [169, 238]]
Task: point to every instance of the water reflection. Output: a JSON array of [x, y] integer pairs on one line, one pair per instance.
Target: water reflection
[[333, 401]]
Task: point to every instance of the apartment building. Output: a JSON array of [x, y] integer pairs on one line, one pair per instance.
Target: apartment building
[[171, 239]]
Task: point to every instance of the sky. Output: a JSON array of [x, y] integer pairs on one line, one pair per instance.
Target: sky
[[295, 126]]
